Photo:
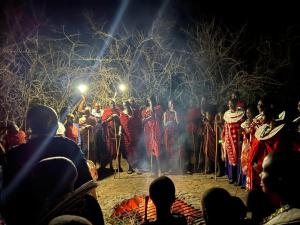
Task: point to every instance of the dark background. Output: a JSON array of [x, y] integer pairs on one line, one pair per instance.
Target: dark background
[[263, 20]]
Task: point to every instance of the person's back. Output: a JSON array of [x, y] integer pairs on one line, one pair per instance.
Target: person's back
[[20, 160]]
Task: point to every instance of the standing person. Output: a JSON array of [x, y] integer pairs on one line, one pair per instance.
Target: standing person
[[248, 133], [231, 137], [221, 155], [138, 130], [152, 118], [96, 110], [88, 123], [129, 123], [112, 133], [170, 121], [209, 140], [20, 160], [195, 157], [72, 130], [267, 139]]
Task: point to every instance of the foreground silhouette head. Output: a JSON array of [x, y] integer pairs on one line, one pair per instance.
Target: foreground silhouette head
[[42, 120], [162, 193]]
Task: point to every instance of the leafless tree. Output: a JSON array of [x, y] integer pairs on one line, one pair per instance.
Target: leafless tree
[[47, 69]]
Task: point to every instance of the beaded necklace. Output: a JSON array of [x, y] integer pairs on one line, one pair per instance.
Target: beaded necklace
[[277, 212]]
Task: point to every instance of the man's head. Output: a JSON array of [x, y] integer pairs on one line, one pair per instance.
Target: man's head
[[280, 174], [235, 95], [87, 111], [42, 120], [70, 118], [162, 192], [232, 103], [215, 205], [54, 177]]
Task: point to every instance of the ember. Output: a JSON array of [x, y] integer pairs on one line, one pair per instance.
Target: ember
[[133, 211]]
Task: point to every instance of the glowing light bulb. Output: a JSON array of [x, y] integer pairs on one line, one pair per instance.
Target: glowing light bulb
[[82, 88]]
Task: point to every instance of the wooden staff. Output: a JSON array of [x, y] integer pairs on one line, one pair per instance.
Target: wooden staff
[[216, 152], [206, 149], [194, 147], [118, 150], [116, 145]]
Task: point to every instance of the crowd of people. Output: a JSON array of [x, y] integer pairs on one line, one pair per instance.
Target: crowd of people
[[53, 165]]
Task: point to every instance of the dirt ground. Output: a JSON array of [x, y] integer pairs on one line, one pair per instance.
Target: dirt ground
[[112, 190]]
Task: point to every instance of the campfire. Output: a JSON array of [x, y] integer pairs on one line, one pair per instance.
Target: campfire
[[132, 211]]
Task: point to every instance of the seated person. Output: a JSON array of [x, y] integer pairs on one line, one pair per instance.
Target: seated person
[[215, 206], [162, 193], [20, 160], [53, 181], [219, 207], [279, 182]]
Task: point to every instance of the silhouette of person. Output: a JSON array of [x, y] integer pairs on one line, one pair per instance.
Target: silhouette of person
[[219, 207], [162, 193], [53, 181], [215, 206], [20, 160]]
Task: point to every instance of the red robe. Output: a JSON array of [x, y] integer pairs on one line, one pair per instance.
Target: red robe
[[259, 150], [152, 130], [231, 136], [170, 133], [131, 137], [72, 132], [111, 131], [193, 121], [209, 141], [248, 131], [12, 139]]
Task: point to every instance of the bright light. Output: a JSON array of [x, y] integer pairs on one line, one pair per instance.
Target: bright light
[[122, 87], [82, 88]]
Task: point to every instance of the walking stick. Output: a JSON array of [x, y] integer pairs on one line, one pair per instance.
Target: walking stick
[[118, 151], [194, 148], [216, 153], [206, 146], [116, 145]]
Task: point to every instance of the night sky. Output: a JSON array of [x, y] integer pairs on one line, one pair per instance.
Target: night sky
[[267, 18]]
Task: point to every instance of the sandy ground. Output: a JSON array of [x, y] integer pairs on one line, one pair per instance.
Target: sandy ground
[[111, 191]]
